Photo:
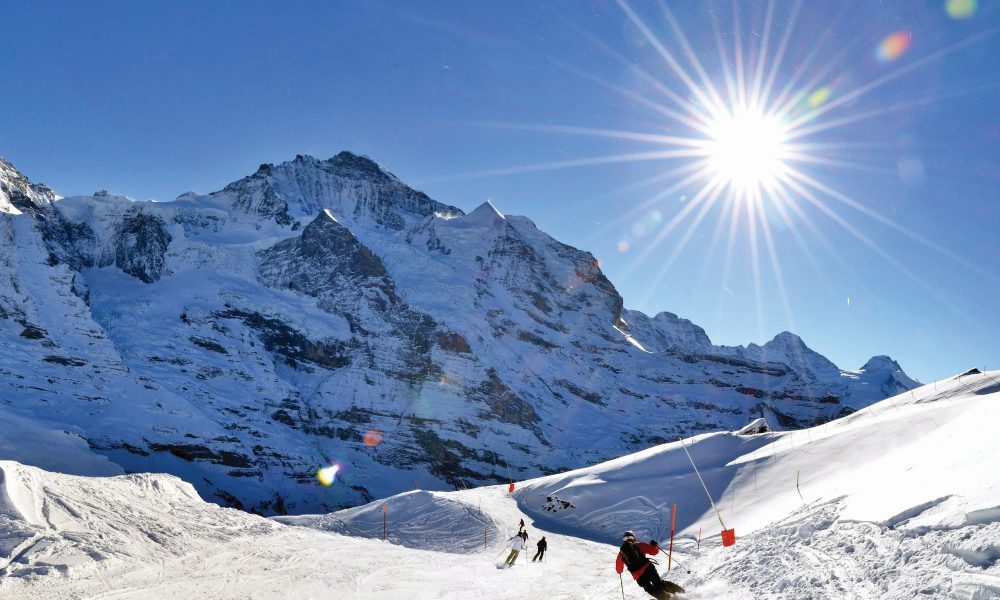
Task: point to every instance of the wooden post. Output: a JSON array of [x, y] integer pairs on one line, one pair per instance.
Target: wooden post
[[670, 551], [699, 539], [385, 527]]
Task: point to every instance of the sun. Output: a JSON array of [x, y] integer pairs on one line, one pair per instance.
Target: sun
[[746, 150], [750, 137]]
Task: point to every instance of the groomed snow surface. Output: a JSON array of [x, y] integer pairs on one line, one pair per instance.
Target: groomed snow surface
[[901, 500]]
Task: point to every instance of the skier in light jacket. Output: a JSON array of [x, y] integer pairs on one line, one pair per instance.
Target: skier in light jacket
[[516, 545]]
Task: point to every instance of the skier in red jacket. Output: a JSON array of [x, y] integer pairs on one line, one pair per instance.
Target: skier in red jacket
[[632, 554]]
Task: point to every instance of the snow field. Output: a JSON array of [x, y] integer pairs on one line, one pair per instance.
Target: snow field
[[900, 501]]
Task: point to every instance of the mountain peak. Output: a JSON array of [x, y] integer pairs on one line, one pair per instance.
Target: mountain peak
[[354, 187], [786, 339], [788, 348], [485, 214], [344, 164], [881, 363], [666, 330], [349, 164], [885, 378], [18, 194]]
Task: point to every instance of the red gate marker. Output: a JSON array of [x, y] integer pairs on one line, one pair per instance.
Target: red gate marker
[[728, 537], [510, 490]]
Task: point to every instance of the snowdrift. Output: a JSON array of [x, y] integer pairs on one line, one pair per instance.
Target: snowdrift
[[418, 519], [54, 523]]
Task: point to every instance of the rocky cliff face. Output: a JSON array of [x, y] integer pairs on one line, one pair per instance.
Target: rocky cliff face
[[140, 245], [322, 311]]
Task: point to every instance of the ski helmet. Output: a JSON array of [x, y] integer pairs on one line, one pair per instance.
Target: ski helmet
[[628, 535]]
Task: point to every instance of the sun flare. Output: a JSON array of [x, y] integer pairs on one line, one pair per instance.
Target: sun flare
[[749, 139], [747, 150]]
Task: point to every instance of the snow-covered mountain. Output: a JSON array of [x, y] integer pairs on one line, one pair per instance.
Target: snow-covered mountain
[[895, 502], [321, 311]]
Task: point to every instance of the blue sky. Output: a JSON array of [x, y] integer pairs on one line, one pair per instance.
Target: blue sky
[[896, 254]]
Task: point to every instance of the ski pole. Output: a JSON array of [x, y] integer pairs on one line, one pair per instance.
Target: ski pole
[[682, 566], [622, 582]]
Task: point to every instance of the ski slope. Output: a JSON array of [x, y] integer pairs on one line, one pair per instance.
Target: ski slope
[[899, 501]]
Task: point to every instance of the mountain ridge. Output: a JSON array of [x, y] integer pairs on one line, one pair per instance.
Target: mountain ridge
[[322, 311]]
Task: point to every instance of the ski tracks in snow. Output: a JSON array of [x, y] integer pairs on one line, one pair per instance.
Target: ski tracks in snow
[[815, 554]]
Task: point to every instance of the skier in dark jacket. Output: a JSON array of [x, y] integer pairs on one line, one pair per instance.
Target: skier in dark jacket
[[542, 545], [632, 554]]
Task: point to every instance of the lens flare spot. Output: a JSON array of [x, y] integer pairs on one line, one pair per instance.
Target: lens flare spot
[[961, 9], [327, 475], [894, 46], [911, 171], [639, 229], [623, 246], [373, 437], [819, 97]]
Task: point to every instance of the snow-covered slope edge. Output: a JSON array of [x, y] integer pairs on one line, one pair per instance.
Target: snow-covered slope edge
[[931, 446], [897, 502]]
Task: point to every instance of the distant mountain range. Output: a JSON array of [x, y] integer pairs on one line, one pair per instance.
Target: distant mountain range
[[321, 311]]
